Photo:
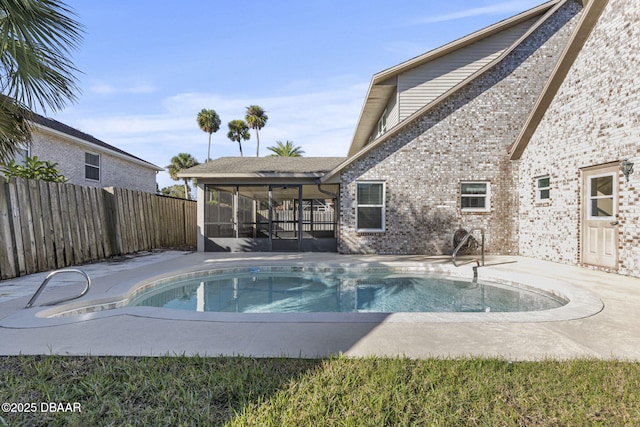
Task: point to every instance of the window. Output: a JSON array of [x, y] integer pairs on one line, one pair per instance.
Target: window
[[92, 166], [370, 206], [382, 124], [474, 196], [21, 155], [601, 197], [543, 189]]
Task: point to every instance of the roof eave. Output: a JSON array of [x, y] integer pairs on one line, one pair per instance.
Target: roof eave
[[226, 176], [382, 77], [95, 147], [551, 6]]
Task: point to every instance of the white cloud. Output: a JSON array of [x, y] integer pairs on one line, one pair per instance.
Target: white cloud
[[319, 117], [514, 6], [103, 88]]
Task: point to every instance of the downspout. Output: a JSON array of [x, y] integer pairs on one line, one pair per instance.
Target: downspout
[[334, 195]]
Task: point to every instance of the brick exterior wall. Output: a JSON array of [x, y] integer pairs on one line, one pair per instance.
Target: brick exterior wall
[[463, 139], [594, 119], [70, 157]]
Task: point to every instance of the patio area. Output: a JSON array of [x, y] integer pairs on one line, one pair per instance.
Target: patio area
[[607, 331]]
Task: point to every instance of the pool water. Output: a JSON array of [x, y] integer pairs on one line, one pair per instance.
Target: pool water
[[339, 290]]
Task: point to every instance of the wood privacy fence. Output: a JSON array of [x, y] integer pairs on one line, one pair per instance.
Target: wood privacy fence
[[45, 225]]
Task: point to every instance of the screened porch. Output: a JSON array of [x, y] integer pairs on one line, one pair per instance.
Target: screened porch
[[270, 217]]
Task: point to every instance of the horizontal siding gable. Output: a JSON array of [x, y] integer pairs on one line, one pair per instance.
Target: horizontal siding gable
[[421, 85]]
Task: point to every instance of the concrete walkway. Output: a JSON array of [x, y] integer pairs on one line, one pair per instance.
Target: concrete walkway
[[603, 322]]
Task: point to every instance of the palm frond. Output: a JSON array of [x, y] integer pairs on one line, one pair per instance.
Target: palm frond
[[36, 38]]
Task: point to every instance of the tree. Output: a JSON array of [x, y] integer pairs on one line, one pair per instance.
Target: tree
[[174, 191], [209, 122], [238, 131], [34, 168], [286, 150], [179, 163], [256, 119], [36, 40]]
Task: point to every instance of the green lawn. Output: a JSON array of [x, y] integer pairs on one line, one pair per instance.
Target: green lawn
[[241, 391]]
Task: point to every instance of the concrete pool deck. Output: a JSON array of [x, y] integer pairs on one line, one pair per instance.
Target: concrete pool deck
[[602, 322]]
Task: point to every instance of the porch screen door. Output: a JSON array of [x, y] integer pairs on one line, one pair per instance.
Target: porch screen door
[[285, 217], [600, 217]]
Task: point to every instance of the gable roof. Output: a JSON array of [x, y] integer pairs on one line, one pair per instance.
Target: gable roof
[[359, 147], [588, 20], [383, 84], [60, 129], [263, 167]]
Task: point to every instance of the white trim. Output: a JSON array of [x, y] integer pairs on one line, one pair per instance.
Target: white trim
[[539, 189], [98, 166], [382, 206], [613, 197], [95, 147], [487, 197]]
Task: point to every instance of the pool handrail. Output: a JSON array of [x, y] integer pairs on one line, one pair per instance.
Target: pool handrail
[[49, 277], [464, 240]]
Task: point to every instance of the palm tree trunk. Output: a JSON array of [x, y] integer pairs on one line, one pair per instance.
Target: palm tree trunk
[[209, 149], [258, 144], [240, 144], [186, 189]]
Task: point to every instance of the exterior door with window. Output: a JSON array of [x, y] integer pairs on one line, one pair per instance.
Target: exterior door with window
[[600, 217]]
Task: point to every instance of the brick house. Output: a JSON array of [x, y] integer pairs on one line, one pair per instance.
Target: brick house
[[520, 128], [86, 160]]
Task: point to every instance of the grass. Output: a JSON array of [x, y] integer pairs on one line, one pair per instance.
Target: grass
[[240, 391]]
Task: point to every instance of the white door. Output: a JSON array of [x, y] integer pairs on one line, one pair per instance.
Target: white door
[[600, 217]]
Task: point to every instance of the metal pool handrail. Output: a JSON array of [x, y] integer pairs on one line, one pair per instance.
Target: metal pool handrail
[[464, 240], [49, 277]]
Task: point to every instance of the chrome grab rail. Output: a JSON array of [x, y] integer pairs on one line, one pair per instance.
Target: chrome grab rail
[[49, 277], [464, 240]]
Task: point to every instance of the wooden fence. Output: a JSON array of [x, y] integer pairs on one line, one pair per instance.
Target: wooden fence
[[45, 226]]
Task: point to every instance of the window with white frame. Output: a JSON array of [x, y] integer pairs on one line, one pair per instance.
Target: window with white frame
[[543, 189], [474, 196], [370, 206], [21, 154], [382, 124], [92, 166]]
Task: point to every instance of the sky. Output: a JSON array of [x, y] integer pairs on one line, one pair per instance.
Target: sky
[[148, 67]]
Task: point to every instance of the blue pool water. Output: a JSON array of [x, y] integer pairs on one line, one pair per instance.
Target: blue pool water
[[292, 290]]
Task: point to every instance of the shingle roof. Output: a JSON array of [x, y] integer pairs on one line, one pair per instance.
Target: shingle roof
[[68, 130], [264, 166]]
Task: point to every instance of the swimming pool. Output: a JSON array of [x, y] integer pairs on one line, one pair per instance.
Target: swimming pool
[[344, 290]]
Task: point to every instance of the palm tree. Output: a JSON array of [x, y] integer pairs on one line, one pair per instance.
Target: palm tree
[[238, 131], [179, 163], [209, 122], [286, 150], [256, 119], [36, 39]]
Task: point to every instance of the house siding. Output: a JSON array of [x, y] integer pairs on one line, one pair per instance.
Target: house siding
[[70, 157], [422, 84], [461, 139], [594, 119]]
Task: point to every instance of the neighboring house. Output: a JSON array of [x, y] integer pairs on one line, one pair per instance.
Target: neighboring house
[[521, 128], [86, 160]]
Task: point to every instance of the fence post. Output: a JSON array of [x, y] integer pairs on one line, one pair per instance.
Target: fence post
[[113, 226], [7, 248]]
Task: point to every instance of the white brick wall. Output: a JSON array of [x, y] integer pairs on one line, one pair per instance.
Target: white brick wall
[[464, 138], [70, 157], [594, 119]]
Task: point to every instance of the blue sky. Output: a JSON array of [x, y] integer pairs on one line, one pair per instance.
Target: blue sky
[[149, 67]]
